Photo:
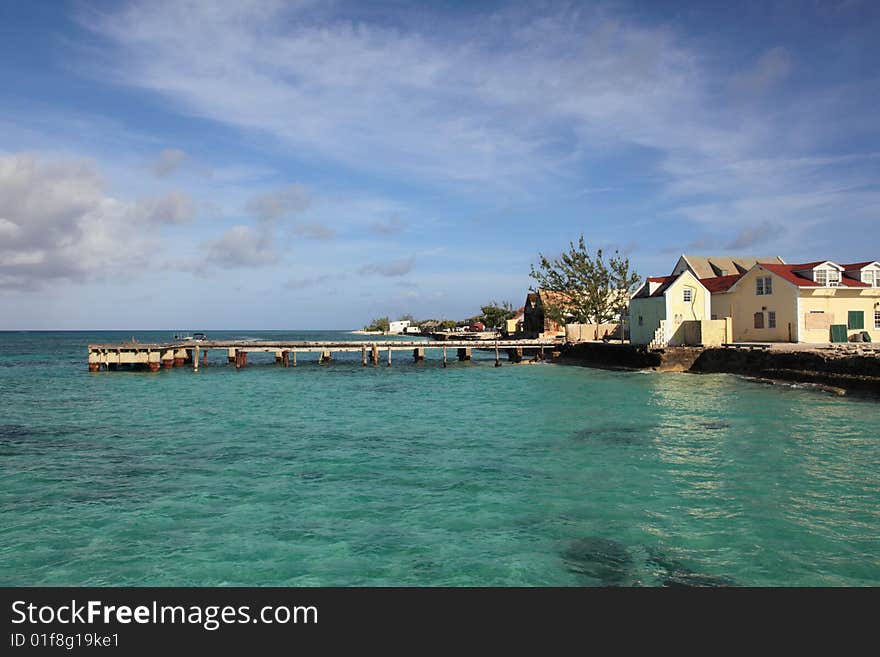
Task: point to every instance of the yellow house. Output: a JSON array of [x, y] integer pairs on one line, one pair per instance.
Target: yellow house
[[811, 302], [672, 311]]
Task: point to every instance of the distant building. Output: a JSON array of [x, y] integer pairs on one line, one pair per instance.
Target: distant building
[[536, 324], [514, 325], [398, 326]]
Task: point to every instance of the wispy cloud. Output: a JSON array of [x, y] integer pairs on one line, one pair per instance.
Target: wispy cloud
[[169, 161], [241, 246], [392, 226], [280, 203], [391, 268]]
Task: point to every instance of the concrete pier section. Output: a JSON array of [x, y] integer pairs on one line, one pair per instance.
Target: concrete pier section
[[180, 354]]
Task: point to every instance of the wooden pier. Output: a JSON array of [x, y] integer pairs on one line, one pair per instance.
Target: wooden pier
[[191, 353]]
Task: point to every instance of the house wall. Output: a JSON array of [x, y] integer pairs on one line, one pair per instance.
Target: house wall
[[651, 310], [792, 305], [836, 304], [741, 303], [677, 310]]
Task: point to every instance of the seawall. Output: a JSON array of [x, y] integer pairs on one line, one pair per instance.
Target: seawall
[[843, 369]]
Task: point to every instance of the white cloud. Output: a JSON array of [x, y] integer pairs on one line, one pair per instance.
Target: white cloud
[[57, 222]]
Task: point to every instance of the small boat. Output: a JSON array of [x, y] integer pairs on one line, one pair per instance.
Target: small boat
[[195, 337]]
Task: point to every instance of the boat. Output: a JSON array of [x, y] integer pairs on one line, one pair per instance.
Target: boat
[[195, 337]]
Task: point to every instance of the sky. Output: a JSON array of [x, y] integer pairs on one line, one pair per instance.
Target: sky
[[305, 165]]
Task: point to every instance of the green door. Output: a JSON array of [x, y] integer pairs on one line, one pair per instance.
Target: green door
[[838, 333]]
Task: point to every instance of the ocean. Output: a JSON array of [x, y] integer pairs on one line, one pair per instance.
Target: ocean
[[340, 475]]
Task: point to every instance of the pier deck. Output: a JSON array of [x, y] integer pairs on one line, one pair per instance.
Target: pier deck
[[178, 354]]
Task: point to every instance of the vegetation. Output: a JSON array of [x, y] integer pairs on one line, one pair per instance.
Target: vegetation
[[380, 324], [590, 289], [493, 314]]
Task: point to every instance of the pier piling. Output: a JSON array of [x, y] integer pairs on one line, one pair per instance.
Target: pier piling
[[389, 356], [419, 354], [364, 355], [444, 355], [497, 358], [464, 353]]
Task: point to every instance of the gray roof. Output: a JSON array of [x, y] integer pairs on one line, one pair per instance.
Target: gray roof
[[712, 266]]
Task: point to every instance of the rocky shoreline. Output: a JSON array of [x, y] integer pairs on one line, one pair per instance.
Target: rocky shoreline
[[839, 370]]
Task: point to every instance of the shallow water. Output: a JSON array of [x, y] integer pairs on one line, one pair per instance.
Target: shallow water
[[419, 475]]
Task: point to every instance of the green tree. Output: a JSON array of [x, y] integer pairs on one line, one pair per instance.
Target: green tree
[[380, 324], [589, 288], [493, 314]]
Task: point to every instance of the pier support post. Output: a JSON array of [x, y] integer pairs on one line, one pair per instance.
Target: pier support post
[[325, 357], [294, 357], [497, 358], [168, 358], [279, 356], [464, 353], [230, 355], [444, 355], [389, 356], [364, 355], [205, 358], [515, 355], [285, 358], [418, 354], [196, 360], [237, 360], [375, 354]]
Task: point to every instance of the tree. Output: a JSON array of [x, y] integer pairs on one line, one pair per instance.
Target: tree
[[380, 324], [407, 318], [589, 289], [493, 315]]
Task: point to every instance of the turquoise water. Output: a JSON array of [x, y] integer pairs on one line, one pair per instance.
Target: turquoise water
[[419, 475]]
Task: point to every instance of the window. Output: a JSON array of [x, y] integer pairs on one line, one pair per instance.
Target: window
[[763, 285], [872, 278], [877, 319], [688, 295], [828, 277], [771, 319], [856, 320], [759, 320], [641, 321]]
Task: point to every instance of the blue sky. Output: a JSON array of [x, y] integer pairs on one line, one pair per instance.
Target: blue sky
[[292, 165]]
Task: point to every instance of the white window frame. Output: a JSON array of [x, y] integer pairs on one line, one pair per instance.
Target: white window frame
[[771, 319], [821, 277], [763, 286], [872, 276]]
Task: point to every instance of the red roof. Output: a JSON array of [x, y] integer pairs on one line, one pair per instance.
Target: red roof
[[788, 273], [665, 282], [720, 283], [858, 265]]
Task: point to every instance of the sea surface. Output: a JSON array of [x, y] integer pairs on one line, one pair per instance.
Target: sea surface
[[418, 475]]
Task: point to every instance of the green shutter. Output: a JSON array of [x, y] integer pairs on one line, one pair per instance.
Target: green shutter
[[838, 333], [856, 320]]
